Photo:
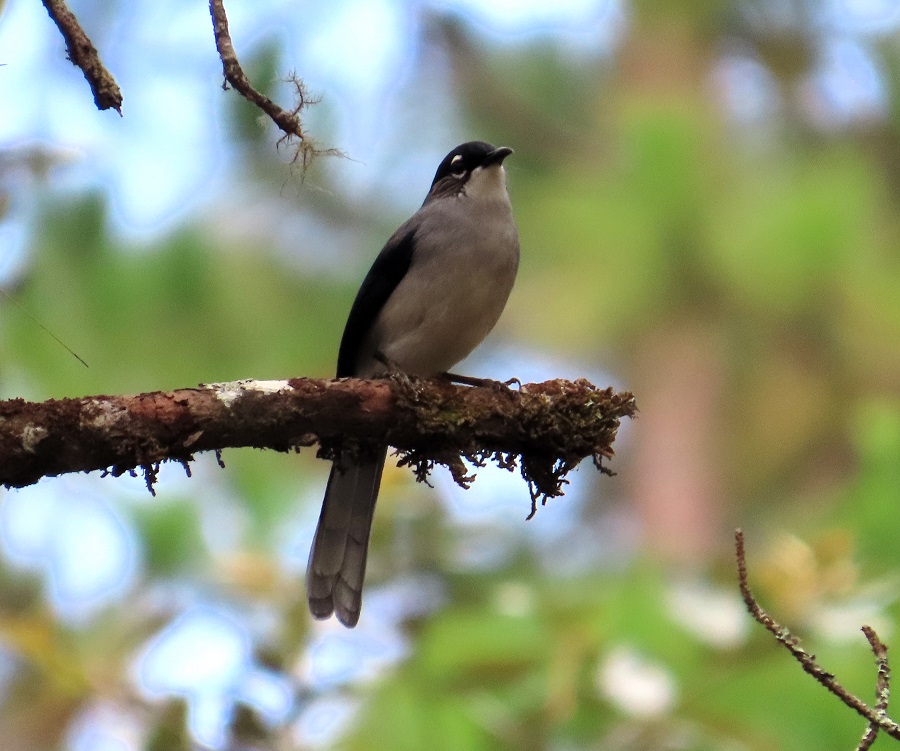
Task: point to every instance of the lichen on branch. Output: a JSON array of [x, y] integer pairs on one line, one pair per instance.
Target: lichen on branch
[[545, 429]]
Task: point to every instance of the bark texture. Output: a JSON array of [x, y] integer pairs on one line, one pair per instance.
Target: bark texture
[[547, 428]]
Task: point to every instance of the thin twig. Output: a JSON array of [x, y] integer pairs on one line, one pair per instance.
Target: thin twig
[[288, 122], [27, 313], [882, 686], [82, 53], [876, 716]]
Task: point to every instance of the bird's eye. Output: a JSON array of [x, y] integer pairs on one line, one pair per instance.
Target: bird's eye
[[456, 165]]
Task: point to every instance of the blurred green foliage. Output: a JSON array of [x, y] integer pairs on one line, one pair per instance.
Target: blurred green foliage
[[644, 212]]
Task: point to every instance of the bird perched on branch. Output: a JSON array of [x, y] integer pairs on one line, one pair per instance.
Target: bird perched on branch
[[433, 293]]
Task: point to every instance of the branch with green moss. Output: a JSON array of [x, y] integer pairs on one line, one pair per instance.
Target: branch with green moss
[[544, 429]]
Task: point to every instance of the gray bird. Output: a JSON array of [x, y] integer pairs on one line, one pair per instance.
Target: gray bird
[[433, 293]]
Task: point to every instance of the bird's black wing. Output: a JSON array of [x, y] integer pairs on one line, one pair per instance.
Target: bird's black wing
[[386, 273]]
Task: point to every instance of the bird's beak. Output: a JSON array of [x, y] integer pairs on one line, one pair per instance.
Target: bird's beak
[[496, 156]]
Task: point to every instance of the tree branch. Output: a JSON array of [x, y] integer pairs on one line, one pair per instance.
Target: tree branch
[[82, 53], [547, 428], [288, 122], [877, 716], [882, 687]]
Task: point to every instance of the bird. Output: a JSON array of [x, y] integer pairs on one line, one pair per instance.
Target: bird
[[433, 293]]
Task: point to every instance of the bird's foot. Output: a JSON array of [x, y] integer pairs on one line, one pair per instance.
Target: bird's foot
[[393, 373], [502, 386]]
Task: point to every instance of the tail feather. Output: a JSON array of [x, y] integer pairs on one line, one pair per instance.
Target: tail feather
[[337, 561]]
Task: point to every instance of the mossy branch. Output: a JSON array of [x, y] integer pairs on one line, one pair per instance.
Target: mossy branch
[[546, 428]]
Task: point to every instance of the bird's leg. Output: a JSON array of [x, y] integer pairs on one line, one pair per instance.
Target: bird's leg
[[395, 374], [483, 382]]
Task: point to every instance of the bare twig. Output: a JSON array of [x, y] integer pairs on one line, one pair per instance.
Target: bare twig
[[882, 686], [288, 122], [549, 427], [876, 716], [82, 53]]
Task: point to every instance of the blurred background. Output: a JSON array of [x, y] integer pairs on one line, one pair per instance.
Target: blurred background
[[708, 198]]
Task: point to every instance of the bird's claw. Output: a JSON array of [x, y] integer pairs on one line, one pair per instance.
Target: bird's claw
[[405, 381], [488, 383]]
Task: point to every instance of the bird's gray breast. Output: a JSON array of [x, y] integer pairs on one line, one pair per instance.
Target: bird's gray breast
[[462, 272]]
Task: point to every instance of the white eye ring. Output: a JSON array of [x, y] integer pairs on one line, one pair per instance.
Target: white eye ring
[[455, 165]]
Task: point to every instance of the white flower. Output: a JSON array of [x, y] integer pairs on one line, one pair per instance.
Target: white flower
[[634, 684]]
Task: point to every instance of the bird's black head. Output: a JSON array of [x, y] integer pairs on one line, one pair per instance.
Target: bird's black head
[[459, 164]]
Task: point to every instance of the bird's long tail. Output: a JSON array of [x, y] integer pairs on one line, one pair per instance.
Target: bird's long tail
[[337, 560]]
